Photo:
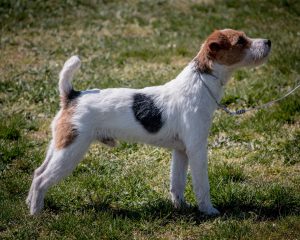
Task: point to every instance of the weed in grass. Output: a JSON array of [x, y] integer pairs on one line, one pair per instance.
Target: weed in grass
[[263, 157], [227, 173], [291, 150]]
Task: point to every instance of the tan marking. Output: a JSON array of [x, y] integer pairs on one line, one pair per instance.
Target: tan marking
[[222, 47], [63, 102], [65, 131], [203, 60]]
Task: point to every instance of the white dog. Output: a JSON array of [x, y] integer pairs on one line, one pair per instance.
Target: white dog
[[176, 115]]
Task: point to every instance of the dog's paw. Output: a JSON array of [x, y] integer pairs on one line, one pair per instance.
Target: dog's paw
[[35, 209], [181, 204], [210, 211], [178, 202], [28, 201]]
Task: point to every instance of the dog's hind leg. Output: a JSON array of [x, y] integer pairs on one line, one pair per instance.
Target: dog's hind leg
[[40, 169], [59, 166], [178, 177]]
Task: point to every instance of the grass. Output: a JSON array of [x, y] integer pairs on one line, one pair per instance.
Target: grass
[[122, 193]]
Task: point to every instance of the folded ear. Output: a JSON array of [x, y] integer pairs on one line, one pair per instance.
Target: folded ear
[[216, 42], [214, 46]]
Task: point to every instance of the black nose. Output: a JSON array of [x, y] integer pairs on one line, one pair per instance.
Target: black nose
[[268, 42]]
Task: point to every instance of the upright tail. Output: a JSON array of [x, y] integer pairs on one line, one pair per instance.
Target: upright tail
[[66, 76]]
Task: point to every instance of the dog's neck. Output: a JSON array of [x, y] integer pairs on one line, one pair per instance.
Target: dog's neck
[[190, 79], [221, 73], [216, 79]]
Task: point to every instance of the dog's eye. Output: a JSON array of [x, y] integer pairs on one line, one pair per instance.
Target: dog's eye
[[241, 41]]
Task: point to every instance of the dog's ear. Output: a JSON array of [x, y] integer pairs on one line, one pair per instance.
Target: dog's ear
[[209, 50], [216, 42], [214, 46]]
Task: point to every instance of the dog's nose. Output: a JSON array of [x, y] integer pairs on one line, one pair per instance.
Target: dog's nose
[[268, 42]]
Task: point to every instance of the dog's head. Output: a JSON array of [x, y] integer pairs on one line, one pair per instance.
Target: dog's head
[[232, 49]]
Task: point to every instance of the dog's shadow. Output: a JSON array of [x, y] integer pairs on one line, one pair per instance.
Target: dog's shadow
[[160, 209], [163, 209]]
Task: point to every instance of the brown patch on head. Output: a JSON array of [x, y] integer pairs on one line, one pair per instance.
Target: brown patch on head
[[225, 47], [65, 131]]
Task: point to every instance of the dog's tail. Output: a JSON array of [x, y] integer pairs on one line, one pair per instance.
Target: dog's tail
[[66, 76]]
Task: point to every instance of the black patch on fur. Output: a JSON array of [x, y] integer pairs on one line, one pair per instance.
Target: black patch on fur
[[73, 94], [147, 113]]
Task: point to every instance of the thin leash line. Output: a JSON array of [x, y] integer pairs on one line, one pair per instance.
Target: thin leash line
[[276, 100], [243, 110]]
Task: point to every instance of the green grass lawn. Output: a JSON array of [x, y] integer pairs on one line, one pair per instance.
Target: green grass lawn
[[122, 193]]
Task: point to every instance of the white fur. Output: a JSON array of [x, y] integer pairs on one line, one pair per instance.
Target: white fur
[[66, 75], [106, 114]]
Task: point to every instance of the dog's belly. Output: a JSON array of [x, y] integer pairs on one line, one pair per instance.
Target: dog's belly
[[172, 143], [159, 140], [169, 144]]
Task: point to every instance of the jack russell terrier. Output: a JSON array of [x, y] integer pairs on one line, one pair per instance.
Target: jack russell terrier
[[176, 115]]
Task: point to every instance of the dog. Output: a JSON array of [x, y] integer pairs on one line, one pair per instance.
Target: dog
[[176, 115]]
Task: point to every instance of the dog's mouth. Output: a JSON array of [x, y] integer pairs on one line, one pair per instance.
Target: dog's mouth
[[258, 53]]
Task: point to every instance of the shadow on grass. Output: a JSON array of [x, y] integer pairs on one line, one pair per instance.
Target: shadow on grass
[[232, 196], [244, 211], [162, 209]]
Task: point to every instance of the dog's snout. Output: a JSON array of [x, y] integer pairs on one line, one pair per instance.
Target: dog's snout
[[268, 42]]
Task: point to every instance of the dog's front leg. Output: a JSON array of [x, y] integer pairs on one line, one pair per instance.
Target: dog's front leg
[[199, 169], [178, 177]]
